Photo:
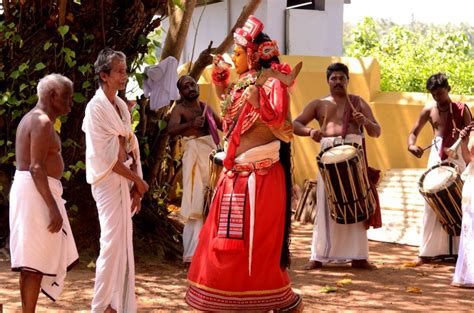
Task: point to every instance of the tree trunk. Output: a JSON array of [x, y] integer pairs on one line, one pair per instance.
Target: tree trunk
[[179, 25]]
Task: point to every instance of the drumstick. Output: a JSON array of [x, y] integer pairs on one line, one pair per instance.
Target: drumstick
[[427, 147], [350, 102]]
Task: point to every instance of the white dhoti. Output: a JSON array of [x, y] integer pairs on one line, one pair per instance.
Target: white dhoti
[[33, 247], [464, 272], [333, 241], [435, 241], [195, 179], [115, 266]]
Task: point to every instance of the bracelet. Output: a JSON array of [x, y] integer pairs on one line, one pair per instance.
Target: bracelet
[[310, 130]]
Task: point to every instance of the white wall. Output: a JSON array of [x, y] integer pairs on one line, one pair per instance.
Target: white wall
[[219, 18], [315, 33], [298, 32]]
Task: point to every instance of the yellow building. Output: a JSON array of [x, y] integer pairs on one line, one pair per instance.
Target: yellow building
[[395, 111]]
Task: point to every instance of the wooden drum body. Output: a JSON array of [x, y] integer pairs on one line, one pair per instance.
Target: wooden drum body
[[441, 186], [344, 172]]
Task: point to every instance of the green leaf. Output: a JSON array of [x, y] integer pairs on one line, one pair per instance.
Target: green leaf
[[74, 37], [162, 124], [71, 63], [79, 166], [88, 37], [39, 66], [23, 67], [78, 97], [47, 45], [74, 209], [11, 25], [85, 68], [7, 157], [63, 30], [2, 75], [2, 142], [16, 114], [32, 99], [86, 84], [16, 38], [13, 101], [179, 4], [67, 175], [23, 86], [142, 40], [15, 74], [150, 59]]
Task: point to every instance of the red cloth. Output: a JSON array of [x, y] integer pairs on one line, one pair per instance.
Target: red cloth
[[448, 138], [219, 274], [273, 110]]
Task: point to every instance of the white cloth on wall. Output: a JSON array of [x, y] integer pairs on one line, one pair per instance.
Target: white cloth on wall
[[160, 84]]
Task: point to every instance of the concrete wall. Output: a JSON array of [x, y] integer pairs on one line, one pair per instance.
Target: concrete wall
[[219, 18], [317, 33], [300, 32], [395, 111]]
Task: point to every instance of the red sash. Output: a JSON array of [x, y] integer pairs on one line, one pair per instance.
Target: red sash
[[448, 137]]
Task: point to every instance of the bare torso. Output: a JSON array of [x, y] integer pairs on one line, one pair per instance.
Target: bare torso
[[330, 116], [189, 113], [259, 134], [53, 163], [437, 119]]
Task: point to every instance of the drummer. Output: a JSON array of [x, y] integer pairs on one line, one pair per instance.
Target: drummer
[[197, 123], [341, 117], [446, 118]]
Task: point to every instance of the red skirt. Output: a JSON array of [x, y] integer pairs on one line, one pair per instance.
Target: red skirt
[[220, 276]]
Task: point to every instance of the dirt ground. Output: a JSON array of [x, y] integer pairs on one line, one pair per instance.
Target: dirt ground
[[394, 286]]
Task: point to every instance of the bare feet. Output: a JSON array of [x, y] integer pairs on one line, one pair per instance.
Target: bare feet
[[422, 260], [110, 310], [363, 264], [312, 264]]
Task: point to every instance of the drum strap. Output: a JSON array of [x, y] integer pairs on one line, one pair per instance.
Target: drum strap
[[375, 220]]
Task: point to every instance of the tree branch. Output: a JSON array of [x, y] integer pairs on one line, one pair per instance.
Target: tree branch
[[6, 9], [62, 12], [205, 59], [178, 29]]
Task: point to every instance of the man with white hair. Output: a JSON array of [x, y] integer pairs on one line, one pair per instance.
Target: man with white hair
[[114, 171], [41, 242]]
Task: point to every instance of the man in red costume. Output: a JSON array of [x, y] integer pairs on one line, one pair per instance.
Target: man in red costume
[[241, 259]]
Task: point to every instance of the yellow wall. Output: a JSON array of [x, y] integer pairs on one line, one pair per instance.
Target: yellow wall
[[395, 111]]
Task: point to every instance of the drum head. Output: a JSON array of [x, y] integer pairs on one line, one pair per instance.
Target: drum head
[[439, 177], [338, 154]]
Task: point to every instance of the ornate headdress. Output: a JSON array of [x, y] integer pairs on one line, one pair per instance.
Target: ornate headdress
[[246, 35]]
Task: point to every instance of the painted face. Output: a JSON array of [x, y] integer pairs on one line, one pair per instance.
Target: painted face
[[61, 100], [338, 82], [189, 89], [441, 95], [118, 77], [240, 59]]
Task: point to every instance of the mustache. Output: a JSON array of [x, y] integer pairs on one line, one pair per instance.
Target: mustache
[[339, 85]]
